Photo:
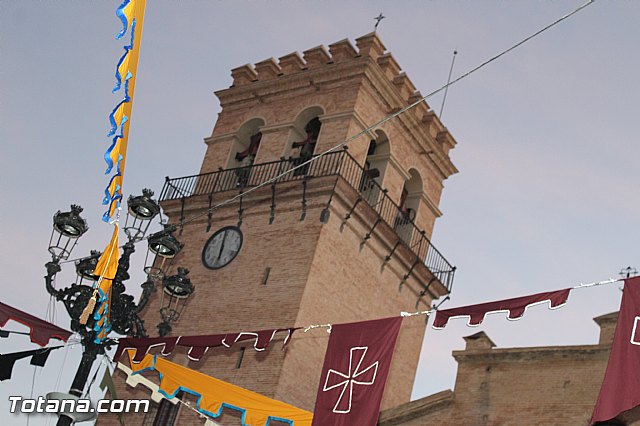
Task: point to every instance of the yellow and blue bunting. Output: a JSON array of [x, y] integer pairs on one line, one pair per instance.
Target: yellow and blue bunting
[[215, 395], [131, 13]]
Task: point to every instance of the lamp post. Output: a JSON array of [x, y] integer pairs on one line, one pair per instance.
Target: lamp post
[[124, 317]]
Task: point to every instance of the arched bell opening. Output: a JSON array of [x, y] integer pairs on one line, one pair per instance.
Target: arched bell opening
[[409, 204], [303, 138], [375, 166], [245, 149]]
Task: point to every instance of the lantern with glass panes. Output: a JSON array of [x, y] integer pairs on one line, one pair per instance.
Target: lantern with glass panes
[[176, 289], [139, 214], [67, 228], [124, 312], [162, 249]]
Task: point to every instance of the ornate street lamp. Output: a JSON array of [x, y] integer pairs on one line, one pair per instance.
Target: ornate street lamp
[[85, 267], [162, 247], [124, 312], [67, 228], [140, 212], [176, 289]]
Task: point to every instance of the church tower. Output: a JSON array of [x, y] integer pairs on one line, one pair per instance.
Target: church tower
[[344, 238]]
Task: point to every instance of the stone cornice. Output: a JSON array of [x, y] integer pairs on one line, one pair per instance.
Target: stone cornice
[[393, 162], [276, 127], [211, 140], [432, 206], [377, 157], [535, 353], [352, 114], [416, 409], [306, 79]]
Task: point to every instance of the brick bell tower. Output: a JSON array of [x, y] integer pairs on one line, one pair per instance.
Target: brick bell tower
[[343, 239]]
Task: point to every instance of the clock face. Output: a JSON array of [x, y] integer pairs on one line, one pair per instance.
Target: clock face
[[222, 247]]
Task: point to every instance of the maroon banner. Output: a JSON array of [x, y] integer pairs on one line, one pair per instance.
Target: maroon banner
[[40, 330], [355, 371], [515, 307], [620, 389], [198, 345]]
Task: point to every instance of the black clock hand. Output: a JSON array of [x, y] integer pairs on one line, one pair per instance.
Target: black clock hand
[[224, 237]]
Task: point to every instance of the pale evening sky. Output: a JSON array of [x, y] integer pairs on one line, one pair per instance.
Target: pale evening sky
[[546, 196]]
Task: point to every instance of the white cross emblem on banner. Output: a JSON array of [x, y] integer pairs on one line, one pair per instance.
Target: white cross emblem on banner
[[353, 377], [634, 338]]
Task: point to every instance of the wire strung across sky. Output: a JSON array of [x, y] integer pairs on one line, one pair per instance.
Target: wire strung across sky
[[384, 120], [579, 286], [433, 310], [339, 146], [328, 328]]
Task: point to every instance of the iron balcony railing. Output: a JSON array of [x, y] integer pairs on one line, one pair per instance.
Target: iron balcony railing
[[339, 163]]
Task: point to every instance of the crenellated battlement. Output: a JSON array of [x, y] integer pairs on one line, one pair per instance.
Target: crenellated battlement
[[320, 56], [368, 49]]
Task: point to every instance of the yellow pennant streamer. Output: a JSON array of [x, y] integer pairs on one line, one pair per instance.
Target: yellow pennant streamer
[[106, 271], [215, 394], [108, 263], [131, 13]]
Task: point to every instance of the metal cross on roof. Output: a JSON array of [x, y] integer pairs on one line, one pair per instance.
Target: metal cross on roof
[[378, 19]]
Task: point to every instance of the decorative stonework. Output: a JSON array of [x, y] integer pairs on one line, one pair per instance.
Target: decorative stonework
[[316, 57], [389, 66], [267, 69], [342, 50], [404, 85], [291, 63], [370, 45], [243, 75]]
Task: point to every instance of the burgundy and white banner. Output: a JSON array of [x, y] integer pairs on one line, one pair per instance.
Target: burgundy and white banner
[[620, 389], [355, 371], [40, 331], [199, 345], [515, 308]]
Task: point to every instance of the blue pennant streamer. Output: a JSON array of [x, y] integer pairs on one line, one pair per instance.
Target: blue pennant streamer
[[116, 197], [122, 58], [125, 22], [106, 327]]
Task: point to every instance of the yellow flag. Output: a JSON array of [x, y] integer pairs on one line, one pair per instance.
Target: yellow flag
[[257, 409], [108, 263]]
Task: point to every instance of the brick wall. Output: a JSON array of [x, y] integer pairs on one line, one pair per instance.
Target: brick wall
[[555, 385]]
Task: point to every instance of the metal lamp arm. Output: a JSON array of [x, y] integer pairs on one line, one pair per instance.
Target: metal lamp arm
[[52, 269], [148, 288], [122, 273]]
